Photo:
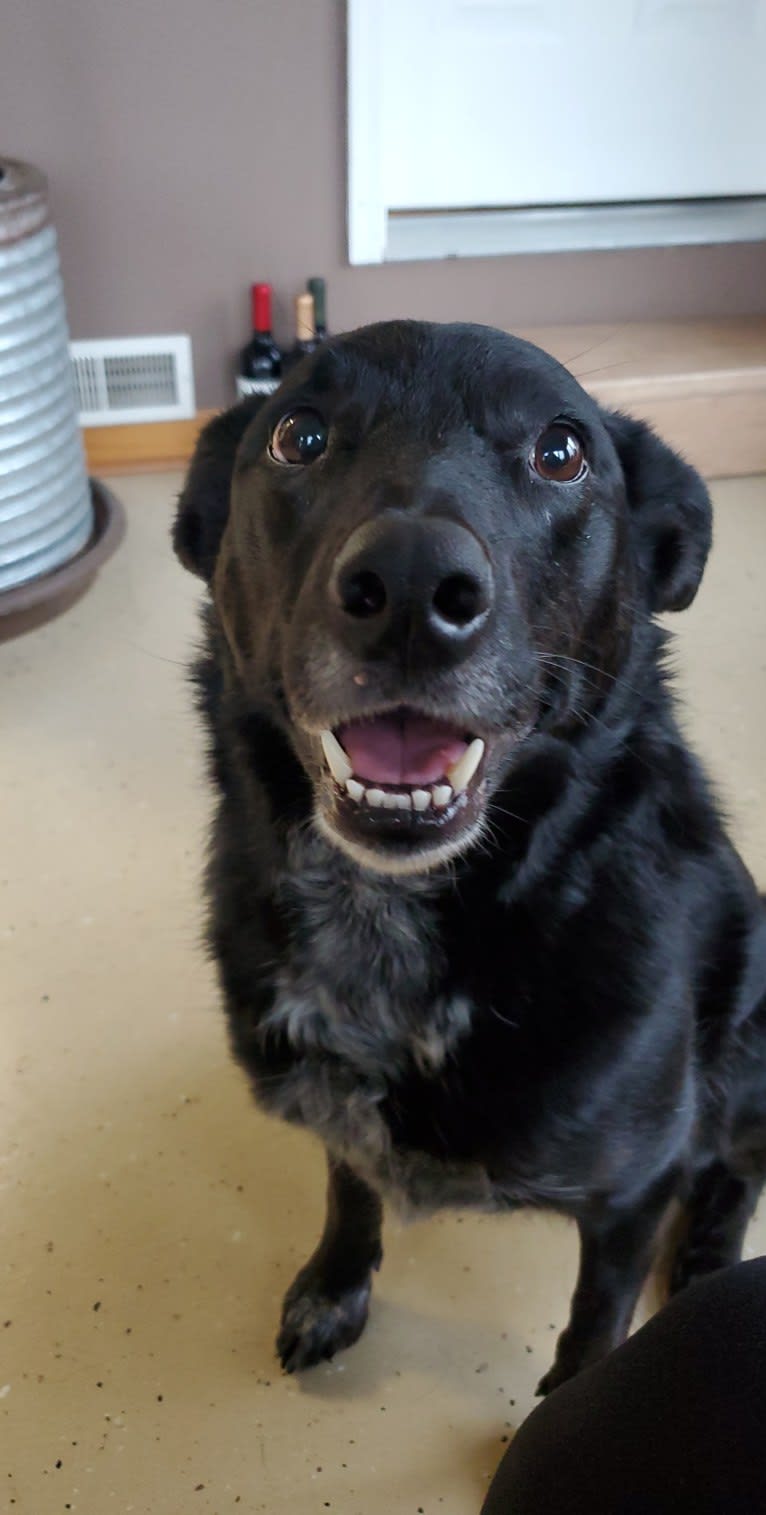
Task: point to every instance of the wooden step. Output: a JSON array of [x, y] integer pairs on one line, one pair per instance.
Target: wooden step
[[702, 384]]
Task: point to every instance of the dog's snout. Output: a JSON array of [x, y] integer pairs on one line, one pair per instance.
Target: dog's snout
[[430, 572]]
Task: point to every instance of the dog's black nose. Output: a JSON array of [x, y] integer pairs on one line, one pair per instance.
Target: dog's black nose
[[403, 573]]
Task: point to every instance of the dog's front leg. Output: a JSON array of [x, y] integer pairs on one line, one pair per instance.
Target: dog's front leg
[[616, 1248], [325, 1308]]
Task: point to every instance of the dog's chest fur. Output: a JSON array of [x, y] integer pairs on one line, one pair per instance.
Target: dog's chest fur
[[362, 1002]]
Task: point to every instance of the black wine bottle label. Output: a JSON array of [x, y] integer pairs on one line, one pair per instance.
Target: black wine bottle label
[[263, 386]]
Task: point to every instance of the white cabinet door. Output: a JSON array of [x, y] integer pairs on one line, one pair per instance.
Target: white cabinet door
[[502, 103]]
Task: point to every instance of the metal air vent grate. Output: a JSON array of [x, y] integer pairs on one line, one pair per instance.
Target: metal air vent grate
[[133, 379]]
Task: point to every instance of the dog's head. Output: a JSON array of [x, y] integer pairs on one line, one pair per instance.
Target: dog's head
[[428, 545]]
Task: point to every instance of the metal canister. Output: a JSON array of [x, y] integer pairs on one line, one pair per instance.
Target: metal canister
[[46, 513]]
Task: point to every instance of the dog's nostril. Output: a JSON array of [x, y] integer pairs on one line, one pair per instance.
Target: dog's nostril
[[459, 599], [363, 594]]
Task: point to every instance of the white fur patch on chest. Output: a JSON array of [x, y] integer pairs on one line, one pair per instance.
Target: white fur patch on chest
[[360, 1001]]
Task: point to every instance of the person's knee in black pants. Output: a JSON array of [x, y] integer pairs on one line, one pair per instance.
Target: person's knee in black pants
[[671, 1423]]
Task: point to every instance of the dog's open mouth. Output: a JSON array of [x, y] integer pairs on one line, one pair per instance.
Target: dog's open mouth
[[402, 761], [403, 778]]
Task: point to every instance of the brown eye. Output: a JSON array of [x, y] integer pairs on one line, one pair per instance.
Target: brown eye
[[299, 438], [559, 455]]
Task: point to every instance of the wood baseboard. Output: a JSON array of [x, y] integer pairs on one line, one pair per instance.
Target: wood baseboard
[[702, 384], [146, 448]]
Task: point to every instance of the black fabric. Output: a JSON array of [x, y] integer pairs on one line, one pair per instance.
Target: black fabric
[[672, 1423]]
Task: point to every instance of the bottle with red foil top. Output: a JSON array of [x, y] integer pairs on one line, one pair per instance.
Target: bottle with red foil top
[[260, 363]]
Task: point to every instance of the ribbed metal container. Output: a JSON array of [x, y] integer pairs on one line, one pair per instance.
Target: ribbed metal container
[[46, 513]]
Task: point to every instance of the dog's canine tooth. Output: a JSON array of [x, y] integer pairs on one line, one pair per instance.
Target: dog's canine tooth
[[421, 799], [337, 759], [374, 796], [355, 789], [461, 772], [442, 794]]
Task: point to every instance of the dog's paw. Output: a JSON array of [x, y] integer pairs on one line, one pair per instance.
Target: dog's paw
[[696, 1262], [568, 1362], [573, 1353], [551, 1380], [315, 1325]]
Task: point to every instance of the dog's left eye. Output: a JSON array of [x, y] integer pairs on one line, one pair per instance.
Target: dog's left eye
[[299, 438], [559, 455]]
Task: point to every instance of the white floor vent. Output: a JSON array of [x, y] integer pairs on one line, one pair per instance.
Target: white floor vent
[[133, 379]]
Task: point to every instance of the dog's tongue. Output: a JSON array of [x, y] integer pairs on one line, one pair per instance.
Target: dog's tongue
[[401, 749]]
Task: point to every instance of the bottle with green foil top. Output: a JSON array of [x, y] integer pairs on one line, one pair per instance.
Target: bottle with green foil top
[[318, 290]]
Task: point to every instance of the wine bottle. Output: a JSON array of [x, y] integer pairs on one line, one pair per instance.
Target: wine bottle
[[260, 363], [305, 329], [318, 289]]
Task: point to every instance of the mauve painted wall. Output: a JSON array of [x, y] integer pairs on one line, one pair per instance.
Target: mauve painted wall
[[195, 145]]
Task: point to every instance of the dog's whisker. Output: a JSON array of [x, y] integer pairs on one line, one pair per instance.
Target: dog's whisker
[[554, 658], [504, 1019], [496, 808], [591, 373], [158, 657], [594, 347]]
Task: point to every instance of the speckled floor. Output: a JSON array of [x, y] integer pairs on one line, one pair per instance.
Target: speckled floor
[[152, 1217]]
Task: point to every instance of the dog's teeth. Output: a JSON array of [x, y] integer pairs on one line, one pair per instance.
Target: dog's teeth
[[421, 799], [355, 789], [387, 799], [337, 760], [442, 794], [461, 772]]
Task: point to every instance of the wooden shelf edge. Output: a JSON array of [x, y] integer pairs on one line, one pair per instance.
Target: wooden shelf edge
[[701, 384], [148, 447]]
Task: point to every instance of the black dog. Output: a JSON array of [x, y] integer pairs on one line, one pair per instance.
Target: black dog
[[477, 919]]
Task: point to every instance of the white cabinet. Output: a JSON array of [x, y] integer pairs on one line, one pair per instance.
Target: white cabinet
[[544, 107]]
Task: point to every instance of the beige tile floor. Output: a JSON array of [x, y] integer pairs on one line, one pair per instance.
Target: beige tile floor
[[152, 1217]]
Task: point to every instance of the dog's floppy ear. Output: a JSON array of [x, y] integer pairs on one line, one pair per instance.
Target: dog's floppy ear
[[670, 511], [203, 504]]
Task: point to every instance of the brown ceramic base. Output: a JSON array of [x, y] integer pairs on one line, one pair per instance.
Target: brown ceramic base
[[32, 604]]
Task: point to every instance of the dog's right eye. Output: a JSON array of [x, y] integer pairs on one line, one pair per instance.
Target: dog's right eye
[[299, 438]]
